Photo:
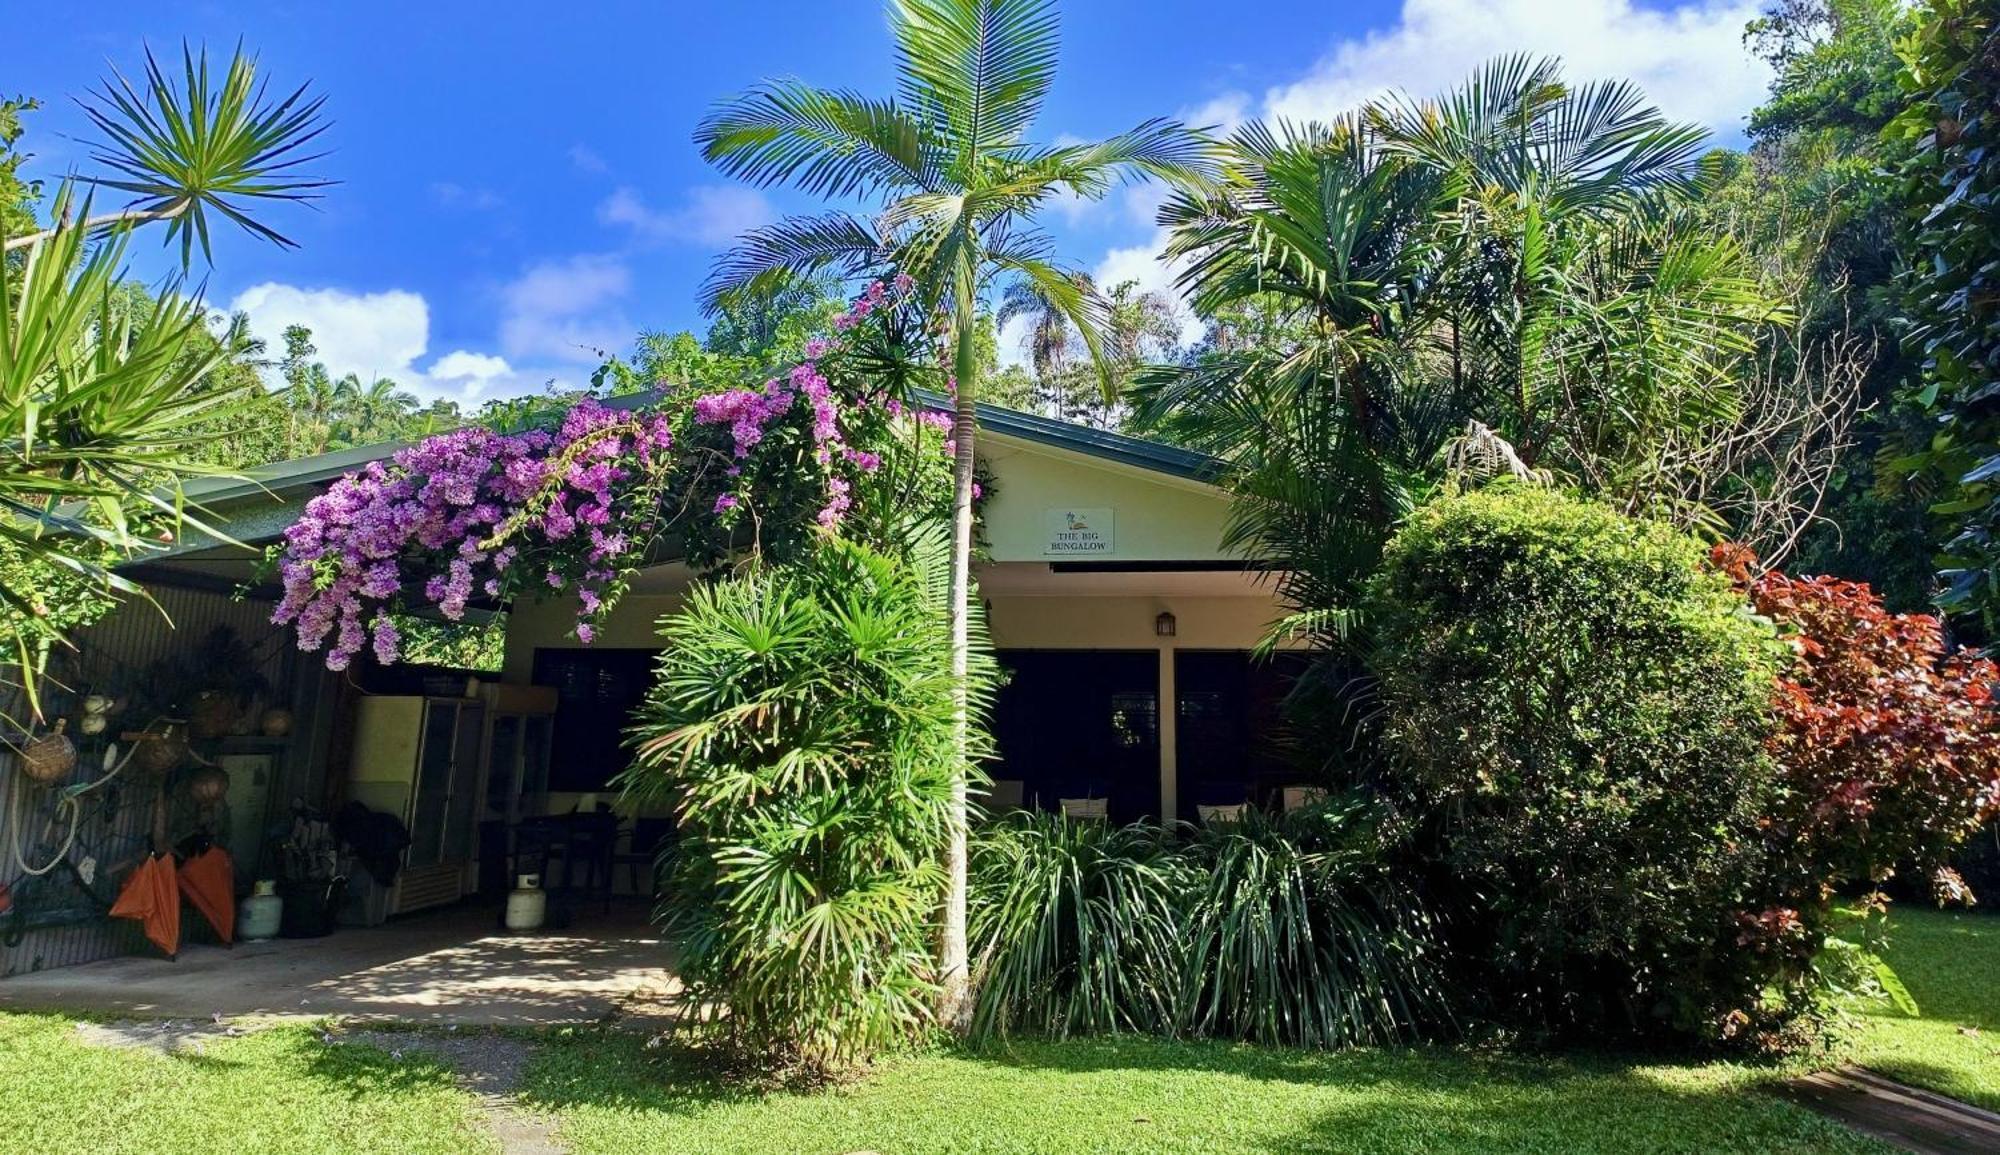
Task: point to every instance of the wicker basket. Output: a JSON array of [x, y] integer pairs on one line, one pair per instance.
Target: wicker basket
[[160, 753], [51, 757]]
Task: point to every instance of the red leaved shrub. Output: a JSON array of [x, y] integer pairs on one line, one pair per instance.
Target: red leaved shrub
[[1888, 742]]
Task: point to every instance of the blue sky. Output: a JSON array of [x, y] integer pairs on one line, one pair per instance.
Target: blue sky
[[518, 187]]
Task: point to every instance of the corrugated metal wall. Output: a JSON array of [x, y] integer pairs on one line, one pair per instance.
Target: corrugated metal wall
[[57, 919]]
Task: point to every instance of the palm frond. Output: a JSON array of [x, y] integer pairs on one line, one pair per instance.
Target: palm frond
[[829, 143], [768, 257], [981, 68]]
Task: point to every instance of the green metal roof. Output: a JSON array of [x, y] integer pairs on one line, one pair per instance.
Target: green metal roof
[[256, 508]]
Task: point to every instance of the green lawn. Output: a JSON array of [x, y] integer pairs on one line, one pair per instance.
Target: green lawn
[[274, 1092], [285, 1090], [1136, 1096], [1951, 964]]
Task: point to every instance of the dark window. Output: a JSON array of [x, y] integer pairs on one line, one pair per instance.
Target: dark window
[[1230, 734], [596, 693], [1081, 724]]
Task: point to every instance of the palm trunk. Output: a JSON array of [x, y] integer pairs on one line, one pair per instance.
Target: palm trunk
[[955, 996]]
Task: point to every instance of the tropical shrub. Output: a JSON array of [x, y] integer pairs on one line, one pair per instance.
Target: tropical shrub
[[1951, 281], [1576, 707], [801, 730], [1889, 742], [1077, 927], [1287, 931]]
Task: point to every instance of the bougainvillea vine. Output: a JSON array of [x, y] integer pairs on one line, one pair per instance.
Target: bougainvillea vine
[[576, 509]]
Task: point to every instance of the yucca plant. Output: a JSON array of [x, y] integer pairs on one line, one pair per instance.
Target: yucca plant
[[103, 414], [801, 727], [1076, 926], [1302, 937]]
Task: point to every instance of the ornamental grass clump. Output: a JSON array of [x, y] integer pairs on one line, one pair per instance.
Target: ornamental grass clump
[[1304, 936], [1077, 927], [1287, 931], [800, 730]]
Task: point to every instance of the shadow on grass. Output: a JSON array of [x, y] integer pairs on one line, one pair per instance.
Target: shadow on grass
[[360, 1071]]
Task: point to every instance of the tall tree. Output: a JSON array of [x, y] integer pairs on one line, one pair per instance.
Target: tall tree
[[1952, 285], [958, 185], [1499, 276]]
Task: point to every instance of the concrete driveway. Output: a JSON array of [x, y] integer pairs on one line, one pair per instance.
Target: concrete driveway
[[447, 967]]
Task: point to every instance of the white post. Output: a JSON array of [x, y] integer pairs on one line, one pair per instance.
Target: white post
[[1169, 728]]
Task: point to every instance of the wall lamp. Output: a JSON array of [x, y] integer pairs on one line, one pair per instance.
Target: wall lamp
[[1164, 625]]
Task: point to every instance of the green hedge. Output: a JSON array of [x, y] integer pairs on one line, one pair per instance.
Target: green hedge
[[1574, 706]]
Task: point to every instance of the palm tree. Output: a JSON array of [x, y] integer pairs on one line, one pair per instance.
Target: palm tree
[[378, 411], [1052, 340], [1516, 254], [958, 185]]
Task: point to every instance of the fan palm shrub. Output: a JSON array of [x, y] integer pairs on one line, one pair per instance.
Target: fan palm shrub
[[802, 729], [956, 185]]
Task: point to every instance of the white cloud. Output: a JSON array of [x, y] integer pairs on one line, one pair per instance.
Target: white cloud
[[453, 195], [366, 333], [380, 334], [1013, 339], [586, 159], [712, 215], [565, 310], [467, 375], [1689, 58], [1221, 114]]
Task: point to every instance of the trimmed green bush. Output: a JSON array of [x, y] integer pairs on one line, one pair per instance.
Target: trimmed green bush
[[1575, 707], [800, 726]]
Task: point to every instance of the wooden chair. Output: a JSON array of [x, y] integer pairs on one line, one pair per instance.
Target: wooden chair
[[1084, 809]]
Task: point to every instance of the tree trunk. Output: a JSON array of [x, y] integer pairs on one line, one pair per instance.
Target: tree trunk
[[955, 998]]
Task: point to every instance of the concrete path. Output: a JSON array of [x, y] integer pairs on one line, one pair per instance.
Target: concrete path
[[440, 968], [1909, 1117]]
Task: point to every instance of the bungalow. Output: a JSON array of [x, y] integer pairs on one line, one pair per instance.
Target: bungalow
[[1125, 627]]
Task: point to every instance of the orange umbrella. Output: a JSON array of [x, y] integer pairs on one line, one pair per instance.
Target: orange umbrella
[[150, 896], [209, 881]]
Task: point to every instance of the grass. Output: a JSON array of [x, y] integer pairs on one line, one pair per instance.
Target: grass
[[1951, 964], [277, 1092], [284, 1090], [1137, 1096]]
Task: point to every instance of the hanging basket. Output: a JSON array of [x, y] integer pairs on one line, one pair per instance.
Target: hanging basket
[[49, 758], [160, 753], [214, 715], [208, 785]]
